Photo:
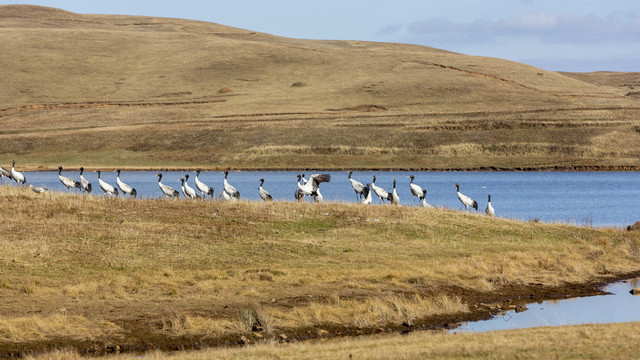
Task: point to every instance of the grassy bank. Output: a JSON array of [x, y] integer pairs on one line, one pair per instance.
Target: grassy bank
[[612, 341], [177, 272]]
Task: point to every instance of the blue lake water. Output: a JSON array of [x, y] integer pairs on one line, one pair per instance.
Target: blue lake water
[[619, 306], [582, 198]]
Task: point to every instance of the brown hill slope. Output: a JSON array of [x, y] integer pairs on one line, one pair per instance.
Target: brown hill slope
[[99, 90]]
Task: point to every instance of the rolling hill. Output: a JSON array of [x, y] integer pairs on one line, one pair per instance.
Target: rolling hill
[[141, 92]]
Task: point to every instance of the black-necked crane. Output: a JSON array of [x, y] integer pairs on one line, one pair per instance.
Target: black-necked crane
[[264, 194], [204, 188], [126, 189], [380, 192], [226, 197], [313, 184], [367, 197], [465, 200], [17, 176], [298, 195], [231, 191], [395, 198], [68, 182], [84, 183], [4, 173], [357, 186], [166, 189], [38, 189], [187, 190], [489, 210], [416, 190], [107, 188], [425, 204]]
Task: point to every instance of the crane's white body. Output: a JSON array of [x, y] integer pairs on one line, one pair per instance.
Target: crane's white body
[[465, 200], [230, 190], [425, 204], [227, 197], [367, 198], [204, 188], [187, 190], [126, 189], [85, 185], [166, 189], [4, 173], [38, 189], [357, 186], [380, 192], [264, 194], [489, 210], [395, 198], [416, 190], [312, 185], [17, 176], [106, 187], [68, 182]]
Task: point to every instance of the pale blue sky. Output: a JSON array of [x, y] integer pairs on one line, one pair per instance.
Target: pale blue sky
[[567, 35]]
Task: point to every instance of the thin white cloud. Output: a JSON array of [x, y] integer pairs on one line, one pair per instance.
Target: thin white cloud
[[543, 26]]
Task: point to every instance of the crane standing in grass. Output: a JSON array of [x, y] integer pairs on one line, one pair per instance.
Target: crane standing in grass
[[416, 190], [187, 190], [395, 198], [367, 197], [489, 210], [465, 200], [380, 192], [4, 173], [229, 189], [107, 188], [17, 176], [84, 183], [264, 194], [126, 189], [311, 187], [166, 189], [68, 182], [204, 188], [357, 186]]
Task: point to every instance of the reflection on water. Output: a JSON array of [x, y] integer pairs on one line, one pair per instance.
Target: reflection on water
[[621, 306], [581, 198]]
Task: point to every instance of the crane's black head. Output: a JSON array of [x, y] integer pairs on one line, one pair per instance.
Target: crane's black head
[[159, 175], [81, 169], [489, 197], [411, 177], [181, 180], [374, 179], [261, 180], [350, 171], [299, 177], [118, 171], [198, 171], [186, 176], [457, 186], [394, 182]]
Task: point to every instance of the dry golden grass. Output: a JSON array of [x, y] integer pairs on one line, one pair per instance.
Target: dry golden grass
[[211, 269], [136, 92], [611, 341]]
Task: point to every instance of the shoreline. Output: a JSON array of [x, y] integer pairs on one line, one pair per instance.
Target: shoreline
[[551, 168]]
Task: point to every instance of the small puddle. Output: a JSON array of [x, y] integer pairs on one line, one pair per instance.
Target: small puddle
[[619, 306]]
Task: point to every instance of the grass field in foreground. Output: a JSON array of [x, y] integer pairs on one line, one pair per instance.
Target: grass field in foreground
[[112, 270], [610, 341]]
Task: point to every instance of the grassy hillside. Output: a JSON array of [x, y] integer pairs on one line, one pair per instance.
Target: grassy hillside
[[139, 92], [93, 273]]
